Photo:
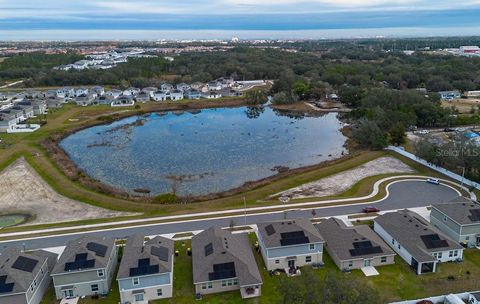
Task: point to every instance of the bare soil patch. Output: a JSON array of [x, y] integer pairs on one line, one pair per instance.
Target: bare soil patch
[[23, 191], [343, 181]]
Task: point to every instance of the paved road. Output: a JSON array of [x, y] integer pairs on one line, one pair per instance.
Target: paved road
[[406, 194]]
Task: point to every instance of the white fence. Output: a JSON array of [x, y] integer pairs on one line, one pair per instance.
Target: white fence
[[435, 167]]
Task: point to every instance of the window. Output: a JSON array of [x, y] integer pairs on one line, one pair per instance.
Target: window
[[393, 242], [455, 253], [136, 281], [439, 255], [312, 246], [399, 247], [159, 292], [100, 273], [139, 297], [277, 261], [435, 255], [230, 282], [31, 287], [235, 282], [450, 254], [467, 238], [224, 283], [308, 259], [383, 259], [94, 287], [208, 285], [350, 263], [445, 218]]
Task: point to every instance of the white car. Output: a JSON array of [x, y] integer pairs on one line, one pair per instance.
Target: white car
[[432, 180], [423, 132]]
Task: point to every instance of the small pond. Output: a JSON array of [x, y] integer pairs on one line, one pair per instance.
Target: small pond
[[9, 220], [202, 152]]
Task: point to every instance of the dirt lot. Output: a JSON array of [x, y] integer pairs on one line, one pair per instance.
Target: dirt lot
[[22, 190], [341, 182], [464, 106]]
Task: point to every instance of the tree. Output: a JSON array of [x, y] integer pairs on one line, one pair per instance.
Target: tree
[[369, 135], [335, 288], [397, 134]]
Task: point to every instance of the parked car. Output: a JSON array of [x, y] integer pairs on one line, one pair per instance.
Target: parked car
[[448, 130], [423, 132], [433, 181], [370, 209]]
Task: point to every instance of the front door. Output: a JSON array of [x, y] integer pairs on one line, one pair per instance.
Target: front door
[[367, 263], [291, 263], [68, 293]]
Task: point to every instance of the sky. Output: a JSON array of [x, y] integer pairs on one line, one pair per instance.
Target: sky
[[18, 16]]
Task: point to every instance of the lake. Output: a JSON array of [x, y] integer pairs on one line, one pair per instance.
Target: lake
[[198, 153]]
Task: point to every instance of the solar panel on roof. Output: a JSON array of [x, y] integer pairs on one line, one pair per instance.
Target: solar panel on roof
[[143, 262], [99, 249], [222, 271], [270, 230], [160, 252], [433, 241], [293, 238], [81, 257], [144, 270], [474, 215], [5, 287], [77, 265], [208, 249], [364, 248], [25, 264]]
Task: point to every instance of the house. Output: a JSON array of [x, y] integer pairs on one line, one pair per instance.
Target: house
[[142, 97], [223, 261], [230, 92], [176, 95], [32, 94], [226, 82], [182, 87], [81, 92], [166, 87], [85, 100], [11, 112], [416, 241], [192, 94], [449, 95], [7, 122], [27, 110], [98, 90], [54, 103], [289, 244], [474, 94], [25, 277], [197, 85], [39, 106], [114, 93], [104, 100], [85, 267], [459, 219], [123, 101], [160, 96], [146, 270], [354, 247], [50, 93], [131, 91], [150, 91], [214, 86], [474, 298], [212, 95]]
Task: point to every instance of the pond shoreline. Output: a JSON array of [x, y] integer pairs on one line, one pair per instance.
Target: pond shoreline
[[74, 173]]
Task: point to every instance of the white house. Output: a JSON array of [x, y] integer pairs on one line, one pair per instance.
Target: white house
[[176, 95], [114, 93], [160, 96], [289, 244], [212, 95], [123, 101], [416, 241], [131, 91], [81, 91]]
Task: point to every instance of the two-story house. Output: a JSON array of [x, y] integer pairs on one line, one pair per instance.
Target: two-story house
[[223, 261], [459, 219], [416, 241], [146, 270], [354, 247], [290, 243], [25, 277], [85, 267]]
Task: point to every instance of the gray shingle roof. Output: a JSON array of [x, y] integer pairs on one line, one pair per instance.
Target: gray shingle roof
[[79, 246], [23, 279], [271, 240], [226, 248], [136, 249], [407, 228], [459, 210], [340, 239]]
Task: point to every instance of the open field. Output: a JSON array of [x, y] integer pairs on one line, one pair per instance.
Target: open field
[[395, 282], [464, 106]]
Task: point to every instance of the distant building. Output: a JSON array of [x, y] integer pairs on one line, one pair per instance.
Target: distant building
[[470, 49], [449, 95], [123, 101], [212, 95], [193, 94], [131, 91], [176, 95], [142, 97], [160, 96]]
